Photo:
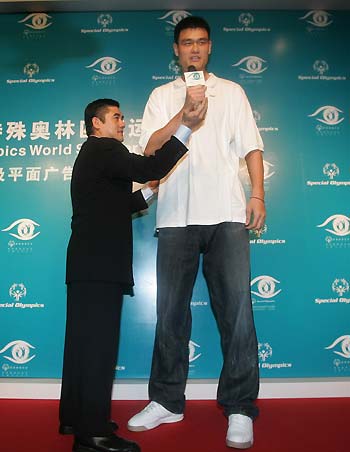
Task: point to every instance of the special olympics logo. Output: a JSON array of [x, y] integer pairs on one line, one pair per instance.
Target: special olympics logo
[[20, 352], [330, 115], [174, 67], [264, 351], [320, 66], [258, 232], [25, 229], [331, 170], [253, 65], [266, 286], [30, 69], [106, 65], [246, 19], [320, 19], [104, 20], [256, 115], [340, 224], [344, 342], [175, 16], [192, 356], [39, 21], [340, 286], [17, 291]]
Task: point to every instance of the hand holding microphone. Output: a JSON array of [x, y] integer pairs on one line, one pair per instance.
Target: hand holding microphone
[[196, 104]]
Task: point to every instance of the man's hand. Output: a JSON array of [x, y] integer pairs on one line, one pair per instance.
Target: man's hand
[[194, 96], [153, 185], [256, 214], [195, 107]]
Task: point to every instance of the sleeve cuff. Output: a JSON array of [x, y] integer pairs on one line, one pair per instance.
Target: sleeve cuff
[[147, 193], [183, 133]]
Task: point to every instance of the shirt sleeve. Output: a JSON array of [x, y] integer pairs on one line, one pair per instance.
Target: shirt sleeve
[[154, 118], [183, 133], [246, 133], [147, 193]]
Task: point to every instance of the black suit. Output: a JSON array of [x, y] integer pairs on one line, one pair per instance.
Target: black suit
[[99, 271]]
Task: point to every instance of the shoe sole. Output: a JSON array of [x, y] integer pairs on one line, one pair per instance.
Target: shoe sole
[[82, 448], [143, 428], [239, 445], [66, 430]]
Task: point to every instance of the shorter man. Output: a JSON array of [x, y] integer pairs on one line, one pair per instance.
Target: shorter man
[[99, 266]]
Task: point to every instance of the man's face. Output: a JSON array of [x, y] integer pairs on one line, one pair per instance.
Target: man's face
[[193, 48], [112, 126]]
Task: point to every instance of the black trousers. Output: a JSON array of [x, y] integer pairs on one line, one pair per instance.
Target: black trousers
[[90, 354]]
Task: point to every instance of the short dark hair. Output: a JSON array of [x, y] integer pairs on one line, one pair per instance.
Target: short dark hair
[[97, 109], [190, 22]]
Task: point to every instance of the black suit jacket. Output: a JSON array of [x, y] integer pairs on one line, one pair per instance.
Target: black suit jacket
[[100, 247]]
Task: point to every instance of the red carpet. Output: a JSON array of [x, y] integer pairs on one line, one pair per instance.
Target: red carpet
[[285, 425]]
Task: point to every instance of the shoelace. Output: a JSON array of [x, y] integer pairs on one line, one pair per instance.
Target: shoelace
[[150, 407]]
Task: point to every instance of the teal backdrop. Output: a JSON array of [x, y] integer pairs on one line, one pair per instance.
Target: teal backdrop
[[294, 67]]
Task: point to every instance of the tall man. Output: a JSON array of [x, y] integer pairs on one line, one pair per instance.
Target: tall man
[[99, 266], [202, 210]]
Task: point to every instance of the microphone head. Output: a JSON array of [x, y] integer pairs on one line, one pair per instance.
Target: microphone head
[[191, 68]]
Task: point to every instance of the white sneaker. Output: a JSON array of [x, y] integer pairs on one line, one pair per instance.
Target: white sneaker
[[151, 416], [240, 431]]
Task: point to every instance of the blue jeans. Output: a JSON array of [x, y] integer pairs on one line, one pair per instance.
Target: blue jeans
[[226, 268]]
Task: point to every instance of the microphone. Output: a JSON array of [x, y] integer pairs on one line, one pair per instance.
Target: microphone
[[194, 77]]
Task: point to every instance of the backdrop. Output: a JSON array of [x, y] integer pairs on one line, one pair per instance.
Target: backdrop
[[294, 67]]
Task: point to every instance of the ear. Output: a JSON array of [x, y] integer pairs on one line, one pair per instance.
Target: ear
[[175, 48], [209, 52], [96, 122]]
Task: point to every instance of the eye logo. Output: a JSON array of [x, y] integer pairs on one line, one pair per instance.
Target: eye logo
[[176, 16], [340, 286], [320, 66], [25, 229], [344, 342], [330, 115], [331, 170], [340, 225], [20, 351], [174, 67], [252, 65], [266, 286], [30, 69], [246, 19], [39, 21], [107, 65], [104, 20], [268, 171], [18, 291], [194, 76], [318, 19], [192, 351], [264, 351]]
